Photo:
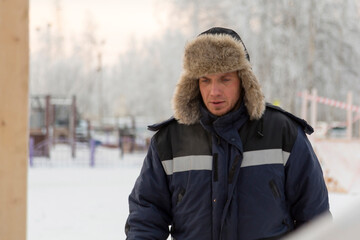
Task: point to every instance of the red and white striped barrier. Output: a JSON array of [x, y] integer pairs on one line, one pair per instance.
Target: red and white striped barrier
[[331, 102], [348, 106]]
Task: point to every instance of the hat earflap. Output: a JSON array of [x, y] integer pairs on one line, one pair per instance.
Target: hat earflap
[[254, 99], [186, 100]]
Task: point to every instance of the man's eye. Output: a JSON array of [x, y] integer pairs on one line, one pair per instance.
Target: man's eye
[[226, 79], [204, 80]]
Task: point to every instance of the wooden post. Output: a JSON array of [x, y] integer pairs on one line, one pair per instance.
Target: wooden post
[[313, 115], [47, 124], [52, 124], [14, 135], [304, 106], [349, 116], [358, 115], [72, 134]]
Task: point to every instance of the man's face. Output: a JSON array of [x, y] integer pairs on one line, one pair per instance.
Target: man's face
[[220, 92]]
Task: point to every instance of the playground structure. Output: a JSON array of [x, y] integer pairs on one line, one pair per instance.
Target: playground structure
[[52, 120], [57, 129], [127, 133]]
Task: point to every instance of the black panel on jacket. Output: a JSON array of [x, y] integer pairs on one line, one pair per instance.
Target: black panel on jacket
[[157, 126], [276, 130], [307, 128], [177, 140]]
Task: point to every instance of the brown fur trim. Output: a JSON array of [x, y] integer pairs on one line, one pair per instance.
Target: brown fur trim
[[208, 54], [186, 100], [254, 99]]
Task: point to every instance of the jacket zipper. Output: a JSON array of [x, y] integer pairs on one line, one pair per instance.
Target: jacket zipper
[[274, 188], [218, 139], [180, 195], [233, 169]]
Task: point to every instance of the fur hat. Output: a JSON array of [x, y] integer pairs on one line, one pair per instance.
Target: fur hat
[[218, 50]]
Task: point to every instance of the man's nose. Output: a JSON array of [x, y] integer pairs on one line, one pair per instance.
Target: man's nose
[[215, 89]]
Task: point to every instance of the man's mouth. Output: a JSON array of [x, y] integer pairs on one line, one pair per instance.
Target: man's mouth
[[217, 102]]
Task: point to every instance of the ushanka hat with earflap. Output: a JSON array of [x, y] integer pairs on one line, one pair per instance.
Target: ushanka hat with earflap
[[217, 50]]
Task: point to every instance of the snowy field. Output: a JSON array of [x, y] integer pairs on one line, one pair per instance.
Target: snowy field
[[81, 202], [91, 203]]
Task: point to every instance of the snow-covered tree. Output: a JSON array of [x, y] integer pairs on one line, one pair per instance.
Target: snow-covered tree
[[293, 45]]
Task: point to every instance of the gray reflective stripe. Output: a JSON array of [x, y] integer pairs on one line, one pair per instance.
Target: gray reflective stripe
[[204, 162], [187, 163], [268, 156]]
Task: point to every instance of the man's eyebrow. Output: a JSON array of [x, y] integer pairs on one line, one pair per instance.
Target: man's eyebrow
[[204, 77], [226, 75]]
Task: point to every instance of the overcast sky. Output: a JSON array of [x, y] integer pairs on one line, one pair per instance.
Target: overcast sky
[[116, 21]]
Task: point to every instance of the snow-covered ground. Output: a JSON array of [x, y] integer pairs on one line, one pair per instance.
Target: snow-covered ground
[[81, 202], [91, 203], [340, 159]]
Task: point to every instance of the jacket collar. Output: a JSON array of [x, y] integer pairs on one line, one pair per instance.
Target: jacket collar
[[229, 122]]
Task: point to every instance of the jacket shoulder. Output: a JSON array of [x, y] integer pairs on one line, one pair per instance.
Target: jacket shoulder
[[173, 139], [275, 129], [303, 124], [157, 126]]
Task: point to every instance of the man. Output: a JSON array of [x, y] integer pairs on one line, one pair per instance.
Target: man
[[227, 166]]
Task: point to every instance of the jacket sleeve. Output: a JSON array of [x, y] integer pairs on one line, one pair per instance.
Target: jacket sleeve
[[305, 186], [149, 201]]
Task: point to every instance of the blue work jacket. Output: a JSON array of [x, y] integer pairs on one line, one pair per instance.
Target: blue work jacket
[[227, 178]]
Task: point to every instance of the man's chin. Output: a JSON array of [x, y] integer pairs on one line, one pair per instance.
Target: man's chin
[[219, 112]]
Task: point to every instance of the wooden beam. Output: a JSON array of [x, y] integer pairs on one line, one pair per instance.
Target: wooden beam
[[349, 116], [304, 104], [313, 115], [14, 72]]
